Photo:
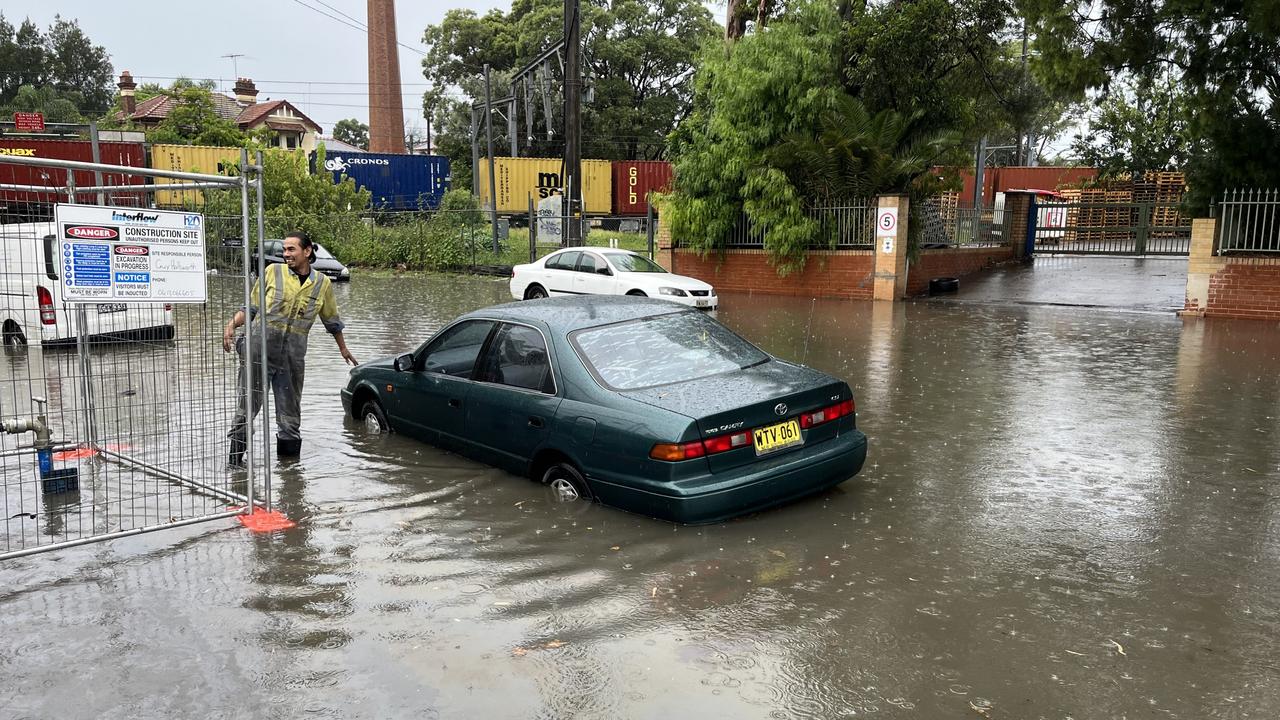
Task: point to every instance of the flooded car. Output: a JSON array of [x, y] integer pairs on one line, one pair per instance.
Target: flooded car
[[634, 402]]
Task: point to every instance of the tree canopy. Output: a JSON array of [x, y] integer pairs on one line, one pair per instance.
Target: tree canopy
[[352, 132], [61, 63], [1222, 56], [637, 58]]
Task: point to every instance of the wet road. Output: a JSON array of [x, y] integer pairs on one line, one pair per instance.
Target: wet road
[[1066, 513]]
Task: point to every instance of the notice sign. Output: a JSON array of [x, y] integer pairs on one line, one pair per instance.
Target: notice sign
[[130, 255]]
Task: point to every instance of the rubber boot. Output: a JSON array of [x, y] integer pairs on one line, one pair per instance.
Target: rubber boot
[[235, 457], [288, 448]]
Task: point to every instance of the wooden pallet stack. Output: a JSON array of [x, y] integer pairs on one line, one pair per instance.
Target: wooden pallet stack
[[1169, 187]]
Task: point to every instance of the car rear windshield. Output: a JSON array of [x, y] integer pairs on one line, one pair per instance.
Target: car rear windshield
[[626, 262], [321, 252], [663, 349]]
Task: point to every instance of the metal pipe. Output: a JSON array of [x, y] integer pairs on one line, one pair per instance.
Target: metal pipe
[[247, 360], [138, 188], [115, 535], [196, 484], [146, 172], [56, 447], [262, 344]]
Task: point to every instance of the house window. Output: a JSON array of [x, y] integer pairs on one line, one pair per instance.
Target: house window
[[291, 141]]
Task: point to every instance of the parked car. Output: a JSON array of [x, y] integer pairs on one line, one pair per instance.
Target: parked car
[[634, 402], [325, 261], [32, 304], [606, 271]]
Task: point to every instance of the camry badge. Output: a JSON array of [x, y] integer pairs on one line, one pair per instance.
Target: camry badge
[[780, 408]]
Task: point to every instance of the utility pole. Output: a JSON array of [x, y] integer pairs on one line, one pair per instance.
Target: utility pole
[[980, 167], [572, 124], [1023, 131], [493, 183]]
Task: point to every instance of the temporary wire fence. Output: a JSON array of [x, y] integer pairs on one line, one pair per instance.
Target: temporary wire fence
[[115, 412]]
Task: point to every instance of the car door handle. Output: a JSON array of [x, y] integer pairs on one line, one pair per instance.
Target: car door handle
[[536, 422], [455, 402]]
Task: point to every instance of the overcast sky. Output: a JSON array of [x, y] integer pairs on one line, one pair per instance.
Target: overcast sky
[[291, 50]]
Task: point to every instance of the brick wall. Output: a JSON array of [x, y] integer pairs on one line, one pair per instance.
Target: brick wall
[[842, 274], [1245, 288], [953, 263]]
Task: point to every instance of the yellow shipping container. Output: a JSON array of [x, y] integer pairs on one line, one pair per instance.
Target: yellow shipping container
[[207, 159], [518, 179]]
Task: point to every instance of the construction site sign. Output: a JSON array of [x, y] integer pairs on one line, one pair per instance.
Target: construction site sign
[[129, 255]]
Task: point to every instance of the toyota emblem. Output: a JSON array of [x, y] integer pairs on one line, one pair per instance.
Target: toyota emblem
[[780, 408]]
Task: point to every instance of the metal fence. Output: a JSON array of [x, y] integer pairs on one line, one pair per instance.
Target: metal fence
[[1087, 228], [116, 411], [1249, 221], [960, 227], [845, 227]]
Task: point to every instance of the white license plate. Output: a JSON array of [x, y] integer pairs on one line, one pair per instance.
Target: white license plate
[[104, 308], [701, 303]]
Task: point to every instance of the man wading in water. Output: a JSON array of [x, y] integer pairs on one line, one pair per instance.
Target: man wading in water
[[295, 296]]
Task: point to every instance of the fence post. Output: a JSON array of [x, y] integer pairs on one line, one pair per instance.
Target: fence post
[[1201, 266], [1144, 228], [648, 226], [533, 233], [890, 273]]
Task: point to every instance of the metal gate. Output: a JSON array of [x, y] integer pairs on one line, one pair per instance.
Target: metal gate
[[116, 413], [1084, 228]]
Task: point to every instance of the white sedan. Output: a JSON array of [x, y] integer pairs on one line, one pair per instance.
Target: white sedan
[[605, 271]]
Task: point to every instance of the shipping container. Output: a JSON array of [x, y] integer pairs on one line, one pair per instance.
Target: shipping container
[[111, 153], [1001, 179], [634, 180], [397, 182], [518, 179], [205, 159]]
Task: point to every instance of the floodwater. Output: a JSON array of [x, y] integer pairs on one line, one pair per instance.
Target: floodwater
[[1066, 513]]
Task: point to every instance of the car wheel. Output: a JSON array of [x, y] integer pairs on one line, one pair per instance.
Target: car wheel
[[637, 293], [375, 421], [566, 483], [535, 292], [13, 337]]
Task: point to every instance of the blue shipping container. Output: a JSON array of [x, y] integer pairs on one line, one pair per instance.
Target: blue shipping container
[[398, 182]]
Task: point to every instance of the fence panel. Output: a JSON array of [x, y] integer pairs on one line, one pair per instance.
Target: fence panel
[[1249, 221], [841, 227], [1093, 228]]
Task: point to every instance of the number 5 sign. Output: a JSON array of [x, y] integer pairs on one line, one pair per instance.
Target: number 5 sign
[[887, 222]]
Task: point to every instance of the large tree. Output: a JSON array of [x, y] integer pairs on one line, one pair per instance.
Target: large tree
[[352, 132], [871, 94], [1222, 55], [1137, 126], [63, 59], [637, 58]]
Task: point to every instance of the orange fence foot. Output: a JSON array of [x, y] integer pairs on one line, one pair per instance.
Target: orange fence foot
[[264, 521]]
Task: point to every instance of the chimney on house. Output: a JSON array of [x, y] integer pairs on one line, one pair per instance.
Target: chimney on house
[[128, 102], [246, 92], [386, 107]]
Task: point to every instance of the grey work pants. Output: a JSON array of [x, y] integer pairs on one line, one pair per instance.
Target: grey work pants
[[285, 373]]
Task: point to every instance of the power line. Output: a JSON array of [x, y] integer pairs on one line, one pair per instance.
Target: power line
[[359, 26]]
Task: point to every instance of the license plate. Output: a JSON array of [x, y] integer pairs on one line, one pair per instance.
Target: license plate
[[104, 308], [701, 303], [776, 437]]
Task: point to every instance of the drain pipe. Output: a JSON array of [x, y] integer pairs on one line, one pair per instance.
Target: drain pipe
[[40, 426]]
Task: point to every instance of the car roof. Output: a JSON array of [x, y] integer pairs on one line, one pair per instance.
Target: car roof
[[567, 314]]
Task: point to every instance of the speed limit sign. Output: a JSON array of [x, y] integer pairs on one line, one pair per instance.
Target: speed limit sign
[[887, 222]]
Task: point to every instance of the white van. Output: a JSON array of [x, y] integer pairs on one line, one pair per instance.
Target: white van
[[31, 304]]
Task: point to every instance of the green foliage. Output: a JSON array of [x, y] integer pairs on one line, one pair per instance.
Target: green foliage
[[194, 120], [1222, 56], [1140, 126], [56, 106], [637, 56], [352, 132], [63, 61]]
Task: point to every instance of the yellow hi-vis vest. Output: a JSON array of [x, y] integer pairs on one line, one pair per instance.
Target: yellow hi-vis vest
[[293, 304]]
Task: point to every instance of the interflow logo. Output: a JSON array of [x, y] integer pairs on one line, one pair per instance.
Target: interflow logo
[[339, 164], [138, 217]]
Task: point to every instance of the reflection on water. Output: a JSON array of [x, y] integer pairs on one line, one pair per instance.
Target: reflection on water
[[1063, 513]]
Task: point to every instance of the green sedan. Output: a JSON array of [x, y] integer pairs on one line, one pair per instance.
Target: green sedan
[[634, 402]]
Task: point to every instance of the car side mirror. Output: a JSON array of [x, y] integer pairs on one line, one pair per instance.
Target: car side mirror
[[603, 271], [404, 363]]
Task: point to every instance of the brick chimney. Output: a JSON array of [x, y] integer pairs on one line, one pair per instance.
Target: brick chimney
[[386, 109], [127, 99], [246, 91]]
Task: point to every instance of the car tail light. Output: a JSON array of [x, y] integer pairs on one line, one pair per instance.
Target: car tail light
[[168, 307], [826, 414], [673, 452], [45, 299]]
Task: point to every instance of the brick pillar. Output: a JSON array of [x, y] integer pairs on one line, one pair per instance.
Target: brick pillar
[[1201, 265], [664, 251], [891, 252], [386, 110], [1018, 206]]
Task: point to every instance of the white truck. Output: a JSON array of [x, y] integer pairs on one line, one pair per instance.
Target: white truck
[[32, 308]]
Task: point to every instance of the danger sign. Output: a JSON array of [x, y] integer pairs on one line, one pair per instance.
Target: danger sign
[[887, 222]]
